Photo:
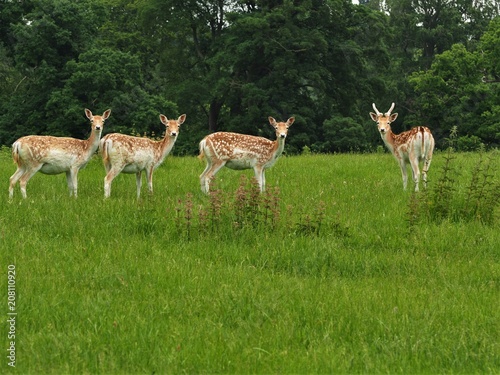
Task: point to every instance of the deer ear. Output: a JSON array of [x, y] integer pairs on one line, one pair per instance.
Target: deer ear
[[88, 113], [164, 120], [106, 114], [181, 119], [393, 117], [374, 116], [272, 121]]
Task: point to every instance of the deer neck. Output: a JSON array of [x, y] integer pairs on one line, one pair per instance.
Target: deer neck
[[92, 143], [389, 140], [279, 146], [164, 147]]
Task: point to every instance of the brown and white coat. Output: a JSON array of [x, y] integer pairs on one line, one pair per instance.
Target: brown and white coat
[[410, 147], [241, 151], [54, 155], [127, 154]]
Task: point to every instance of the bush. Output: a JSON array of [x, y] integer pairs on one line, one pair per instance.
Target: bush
[[478, 202], [469, 143]]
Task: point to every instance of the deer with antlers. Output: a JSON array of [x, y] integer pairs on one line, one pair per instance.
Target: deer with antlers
[[409, 147], [127, 154], [55, 155], [240, 151]]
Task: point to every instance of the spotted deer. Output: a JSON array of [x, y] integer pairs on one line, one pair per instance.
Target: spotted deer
[[240, 151], [127, 154], [409, 147], [55, 155]]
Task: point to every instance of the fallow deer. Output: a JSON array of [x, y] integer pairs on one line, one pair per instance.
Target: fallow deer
[[127, 154], [54, 155], [240, 151], [409, 147]]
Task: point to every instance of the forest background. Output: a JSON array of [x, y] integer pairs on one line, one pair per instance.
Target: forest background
[[230, 64]]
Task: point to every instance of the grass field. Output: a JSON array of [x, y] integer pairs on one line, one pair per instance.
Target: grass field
[[331, 279]]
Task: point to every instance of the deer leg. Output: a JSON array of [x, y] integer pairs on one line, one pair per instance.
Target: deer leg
[[208, 174], [72, 179], [107, 166], [13, 180], [261, 179], [425, 169], [69, 180], [138, 181], [404, 173], [110, 176], [203, 177], [23, 181], [415, 171], [149, 177]]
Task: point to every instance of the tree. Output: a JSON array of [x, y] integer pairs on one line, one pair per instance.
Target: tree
[[11, 13], [234, 64], [53, 33], [424, 28], [107, 78], [343, 134], [276, 60], [489, 59], [453, 92], [489, 51], [189, 34], [230, 64]]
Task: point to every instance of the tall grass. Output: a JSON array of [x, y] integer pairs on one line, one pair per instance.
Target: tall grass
[[321, 274], [447, 200]]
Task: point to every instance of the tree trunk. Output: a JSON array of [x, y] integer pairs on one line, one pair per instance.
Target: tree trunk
[[213, 115]]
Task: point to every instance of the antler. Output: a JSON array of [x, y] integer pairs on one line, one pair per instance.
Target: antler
[[390, 110], [376, 110]]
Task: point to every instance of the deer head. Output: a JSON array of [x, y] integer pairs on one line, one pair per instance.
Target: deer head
[[383, 120], [281, 128]]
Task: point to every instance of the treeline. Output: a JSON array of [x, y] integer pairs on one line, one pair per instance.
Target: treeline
[[229, 64]]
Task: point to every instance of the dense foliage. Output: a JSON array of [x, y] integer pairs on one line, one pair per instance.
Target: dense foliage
[[230, 64]]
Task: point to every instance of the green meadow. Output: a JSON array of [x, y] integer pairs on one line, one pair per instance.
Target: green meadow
[[329, 271]]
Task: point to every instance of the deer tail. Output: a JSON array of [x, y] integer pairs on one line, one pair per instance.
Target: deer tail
[[423, 151], [15, 152], [104, 150], [201, 156]]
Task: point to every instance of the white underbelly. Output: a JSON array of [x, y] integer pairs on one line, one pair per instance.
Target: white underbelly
[[133, 168], [54, 169], [58, 162], [239, 164]]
